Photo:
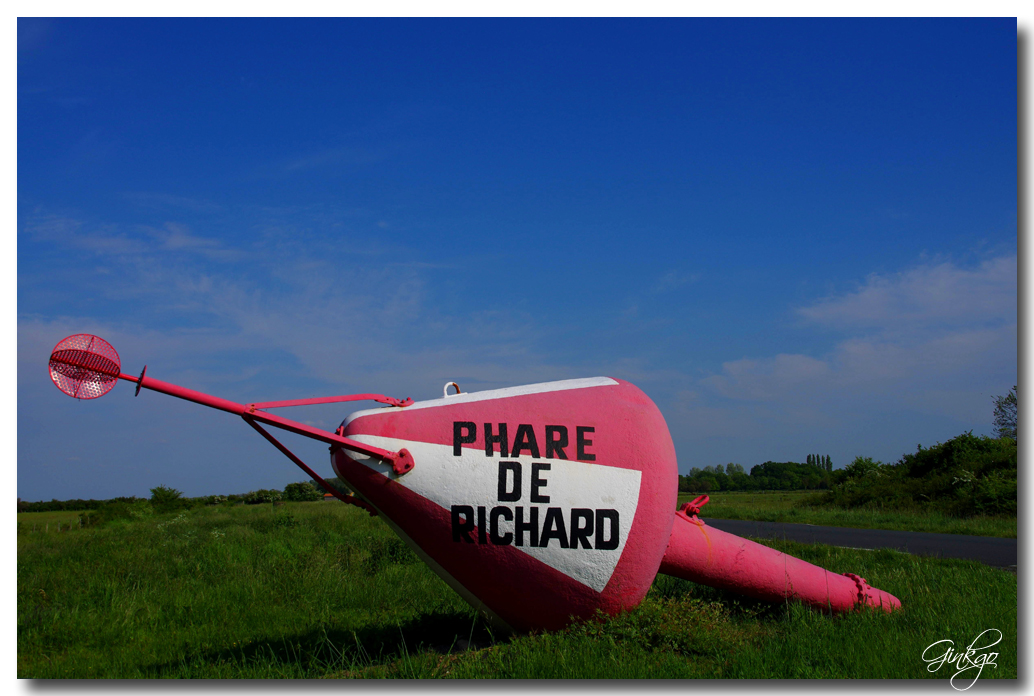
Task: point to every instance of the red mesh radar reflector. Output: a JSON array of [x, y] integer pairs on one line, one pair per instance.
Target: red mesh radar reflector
[[84, 366]]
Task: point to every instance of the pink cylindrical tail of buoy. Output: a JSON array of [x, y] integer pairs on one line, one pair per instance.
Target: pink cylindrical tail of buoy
[[712, 557]]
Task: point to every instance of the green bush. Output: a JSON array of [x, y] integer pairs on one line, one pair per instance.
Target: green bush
[[116, 510], [336, 482], [963, 477], [165, 499], [863, 466], [302, 492]]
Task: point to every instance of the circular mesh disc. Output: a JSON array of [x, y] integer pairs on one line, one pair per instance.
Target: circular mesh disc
[[84, 366]]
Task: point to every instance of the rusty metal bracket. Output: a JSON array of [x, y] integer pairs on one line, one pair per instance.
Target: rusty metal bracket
[[690, 510], [693, 506], [403, 462]]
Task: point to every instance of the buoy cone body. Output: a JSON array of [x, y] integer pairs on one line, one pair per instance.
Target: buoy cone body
[[536, 503]]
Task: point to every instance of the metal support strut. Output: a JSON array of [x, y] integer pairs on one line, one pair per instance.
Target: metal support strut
[[351, 499], [401, 462]]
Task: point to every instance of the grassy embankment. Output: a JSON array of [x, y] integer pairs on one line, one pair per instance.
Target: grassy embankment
[[792, 506], [323, 590]]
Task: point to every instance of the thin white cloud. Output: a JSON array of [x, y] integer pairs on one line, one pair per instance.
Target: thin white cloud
[[177, 237], [165, 200], [924, 297], [71, 234], [672, 280], [934, 338], [367, 326], [109, 240], [768, 379], [339, 155]]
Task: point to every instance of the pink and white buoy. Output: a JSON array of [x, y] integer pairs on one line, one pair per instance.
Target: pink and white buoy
[[536, 503]]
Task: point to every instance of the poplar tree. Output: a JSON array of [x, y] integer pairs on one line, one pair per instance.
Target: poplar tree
[[1006, 411]]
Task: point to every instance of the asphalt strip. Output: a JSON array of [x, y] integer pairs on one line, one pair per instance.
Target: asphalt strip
[[994, 551]]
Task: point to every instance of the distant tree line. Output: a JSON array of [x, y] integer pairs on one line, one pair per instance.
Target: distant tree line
[[166, 499], [816, 473], [70, 505]]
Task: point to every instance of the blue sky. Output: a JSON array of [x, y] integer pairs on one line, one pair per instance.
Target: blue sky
[[796, 236]]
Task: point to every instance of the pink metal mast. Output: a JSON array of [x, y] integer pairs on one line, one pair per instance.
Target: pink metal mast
[[87, 367]]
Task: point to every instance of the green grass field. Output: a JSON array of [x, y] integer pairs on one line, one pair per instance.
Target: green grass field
[[309, 590], [790, 506], [45, 521]]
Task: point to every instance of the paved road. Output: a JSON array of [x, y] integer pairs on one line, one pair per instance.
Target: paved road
[[993, 551]]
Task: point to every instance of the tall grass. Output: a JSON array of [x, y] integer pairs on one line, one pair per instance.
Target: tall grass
[[310, 590]]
